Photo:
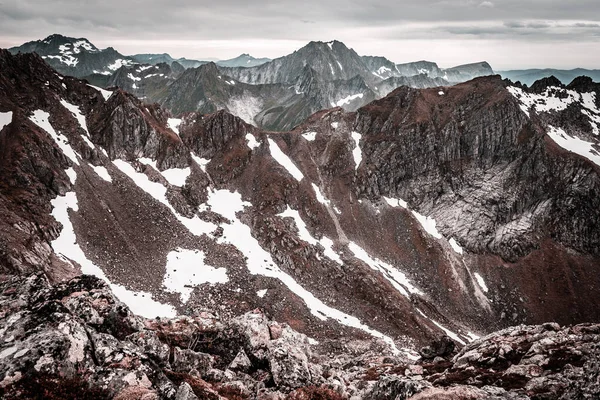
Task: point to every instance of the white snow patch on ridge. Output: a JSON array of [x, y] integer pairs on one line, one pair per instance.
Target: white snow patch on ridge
[[102, 173], [347, 100], [176, 176], [428, 224], [396, 278], [547, 101], [285, 161], [41, 119], [173, 124], [455, 246], [187, 268], [356, 153], [305, 235], [260, 262], [396, 202], [310, 136], [76, 111], [574, 145], [481, 282], [448, 332], [5, 119], [251, 141], [105, 93]]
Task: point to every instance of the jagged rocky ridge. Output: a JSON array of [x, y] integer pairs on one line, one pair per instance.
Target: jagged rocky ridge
[[310, 225]]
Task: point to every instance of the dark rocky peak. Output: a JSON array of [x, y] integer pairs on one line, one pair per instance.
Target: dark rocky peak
[[541, 85], [56, 43], [177, 68], [584, 84], [208, 134], [128, 128]]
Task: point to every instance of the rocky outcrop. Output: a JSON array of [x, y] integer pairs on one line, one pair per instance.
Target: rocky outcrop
[[79, 333]]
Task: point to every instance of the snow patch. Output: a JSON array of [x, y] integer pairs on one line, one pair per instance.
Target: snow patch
[[119, 63], [102, 172], [310, 136], [335, 125], [105, 93], [356, 152], [76, 111], [173, 124], [195, 225], [176, 176], [246, 107], [67, 248], [41, 119], [574, 144], [186, 269], [396, 278], [455, 246], [396, 202], [285, 161], [261, 293], [428, 224], [448, 332], [202, 162], [5, 119], [133, 77], [481, 282], [251, 141], [348, 99]]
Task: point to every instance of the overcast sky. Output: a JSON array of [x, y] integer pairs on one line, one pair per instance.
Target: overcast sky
[[506, 33]]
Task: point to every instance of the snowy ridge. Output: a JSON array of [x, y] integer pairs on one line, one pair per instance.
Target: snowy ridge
[[574, 144]]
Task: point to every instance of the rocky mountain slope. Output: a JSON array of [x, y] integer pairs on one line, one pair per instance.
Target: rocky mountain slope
[[444, 211]]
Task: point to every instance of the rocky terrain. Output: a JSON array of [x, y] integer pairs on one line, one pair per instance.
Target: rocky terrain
[[365, 236], [76, 340]]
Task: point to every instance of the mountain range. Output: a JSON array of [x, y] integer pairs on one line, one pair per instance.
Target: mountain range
[[272, 94], [386, 250], [529, 76]]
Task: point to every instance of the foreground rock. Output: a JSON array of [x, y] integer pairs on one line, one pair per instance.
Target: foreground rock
[[76, 340]]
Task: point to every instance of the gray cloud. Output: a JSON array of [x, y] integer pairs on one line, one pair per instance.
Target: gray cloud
[[271, 28]]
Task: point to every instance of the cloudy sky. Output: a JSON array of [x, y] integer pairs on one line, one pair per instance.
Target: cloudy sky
[[507, 33]]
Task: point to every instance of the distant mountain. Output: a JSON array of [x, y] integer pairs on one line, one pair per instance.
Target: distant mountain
[[271, 106], [330, 60], [243, 60], [272, 94], [167, 59], [466, 72], [75, 56], [529, 76], [420, 67]]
